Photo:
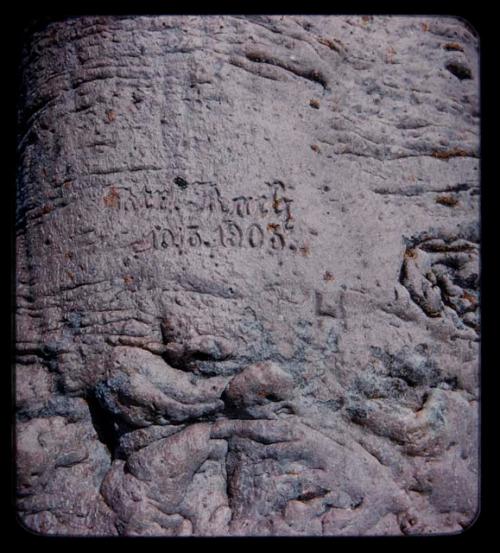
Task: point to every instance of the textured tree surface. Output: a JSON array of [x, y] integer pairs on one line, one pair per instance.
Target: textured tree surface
[[247, 276]]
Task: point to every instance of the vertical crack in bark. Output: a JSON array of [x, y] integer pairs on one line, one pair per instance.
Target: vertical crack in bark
[[103, 425]]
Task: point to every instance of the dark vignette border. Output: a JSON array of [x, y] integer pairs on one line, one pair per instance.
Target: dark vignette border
[[28, 16]]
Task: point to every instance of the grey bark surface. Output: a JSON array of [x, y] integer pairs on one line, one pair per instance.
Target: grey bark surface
[[247, 276]]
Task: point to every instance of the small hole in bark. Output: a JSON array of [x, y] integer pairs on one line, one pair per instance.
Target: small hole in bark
[[460, 71], [181, 183], [272, 397], [202, 356]]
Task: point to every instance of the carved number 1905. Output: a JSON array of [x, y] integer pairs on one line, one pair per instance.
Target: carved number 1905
[[228, 235]]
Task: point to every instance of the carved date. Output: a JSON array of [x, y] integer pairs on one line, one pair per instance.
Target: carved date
[[228, 234]]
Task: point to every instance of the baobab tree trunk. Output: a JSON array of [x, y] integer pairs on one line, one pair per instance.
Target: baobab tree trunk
[[247, 276]]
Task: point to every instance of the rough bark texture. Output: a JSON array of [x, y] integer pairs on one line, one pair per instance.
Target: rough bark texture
[[247, 276]]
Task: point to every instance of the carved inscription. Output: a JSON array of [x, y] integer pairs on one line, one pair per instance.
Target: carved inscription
[[197, 215], [228, 234], [202, 197]]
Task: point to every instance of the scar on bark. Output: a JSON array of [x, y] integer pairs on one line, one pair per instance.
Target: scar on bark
[[310, 74]]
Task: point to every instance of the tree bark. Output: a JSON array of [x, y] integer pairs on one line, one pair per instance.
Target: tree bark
[[247, 276]]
